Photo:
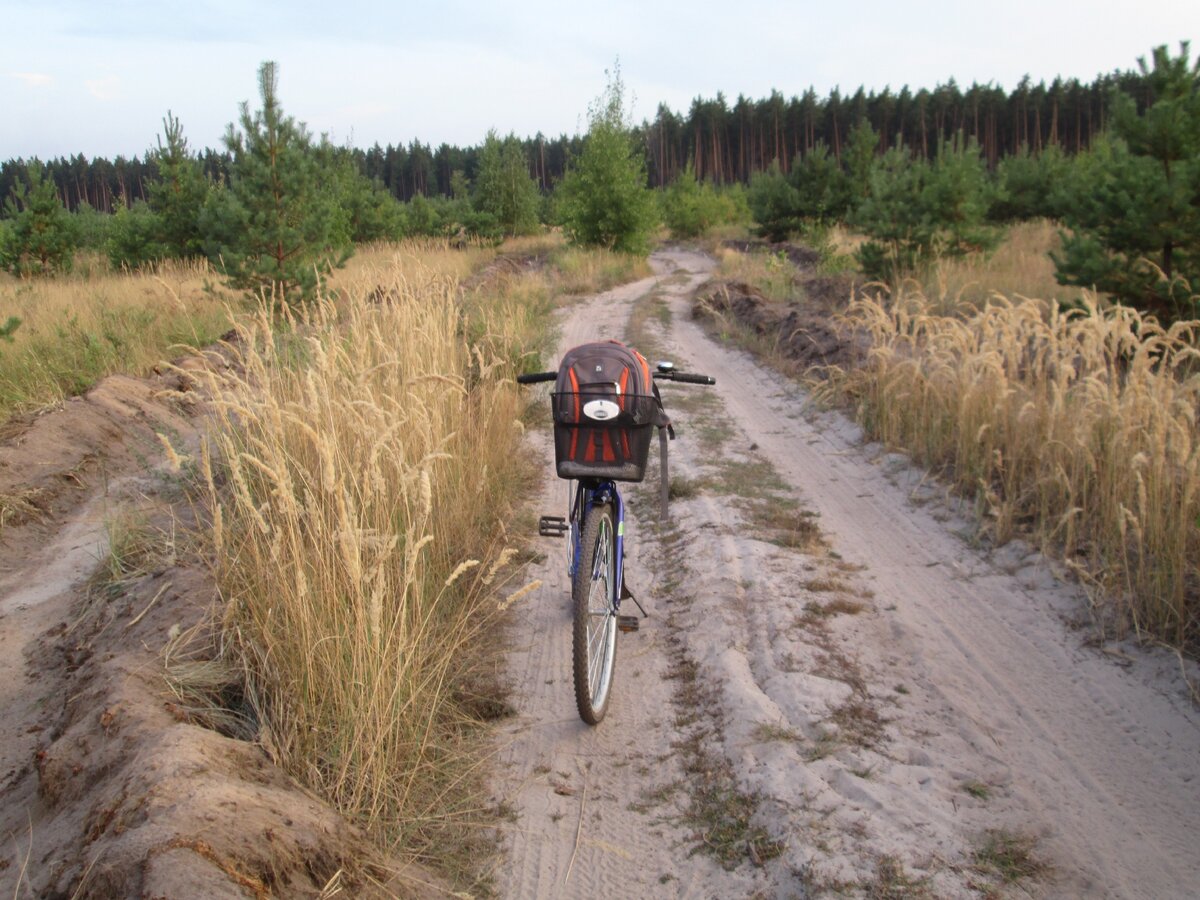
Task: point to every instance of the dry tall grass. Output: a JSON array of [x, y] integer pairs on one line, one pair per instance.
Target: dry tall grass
[[77, 329], [412, 254], [366, 461], [571, 269], [1081, 426], [772, 273], [1020, 266], [578, 270]]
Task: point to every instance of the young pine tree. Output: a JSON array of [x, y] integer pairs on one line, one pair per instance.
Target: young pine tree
[[1028, 185], [774, 204], [1135, 226], [862, 145], [503, 186], [91, 226], [916, 212], [901, 236], [957, 198], [177, 196], [422, 217], [814, 194], [275, 229], [135, 236], [169, 224], [822, 187], [603, 198], [691, 207], [41, 236]]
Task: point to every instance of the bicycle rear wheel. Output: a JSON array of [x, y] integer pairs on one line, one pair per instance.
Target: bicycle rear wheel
[[594, 638]]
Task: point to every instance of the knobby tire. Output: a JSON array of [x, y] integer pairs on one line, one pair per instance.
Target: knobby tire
[[594, 637]]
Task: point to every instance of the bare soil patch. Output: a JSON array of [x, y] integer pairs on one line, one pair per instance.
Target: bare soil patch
[[805, 335], [802, 334]]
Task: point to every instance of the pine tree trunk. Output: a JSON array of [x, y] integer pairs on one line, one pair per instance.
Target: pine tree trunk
[[778, 150]]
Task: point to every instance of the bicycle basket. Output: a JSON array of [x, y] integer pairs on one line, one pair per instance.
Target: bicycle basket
[[604, 412], [601, 434]]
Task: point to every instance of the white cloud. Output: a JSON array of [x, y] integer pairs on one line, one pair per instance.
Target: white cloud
[[107, 88], [33, 79]]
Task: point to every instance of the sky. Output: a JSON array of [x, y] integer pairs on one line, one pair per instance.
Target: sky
[[97, 78]]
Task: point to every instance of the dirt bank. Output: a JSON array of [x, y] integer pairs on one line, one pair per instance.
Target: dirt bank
[[117, 782]]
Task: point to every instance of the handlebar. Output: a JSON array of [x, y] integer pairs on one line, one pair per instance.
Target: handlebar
[[685, 377], [664, 372]]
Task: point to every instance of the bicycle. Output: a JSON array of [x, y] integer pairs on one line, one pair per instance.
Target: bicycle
[[605, 404]]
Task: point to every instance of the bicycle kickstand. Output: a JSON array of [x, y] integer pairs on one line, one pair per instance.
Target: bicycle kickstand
[[626, 594]]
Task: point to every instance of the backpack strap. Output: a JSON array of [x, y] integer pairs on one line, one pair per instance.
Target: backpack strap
[[661, 419]]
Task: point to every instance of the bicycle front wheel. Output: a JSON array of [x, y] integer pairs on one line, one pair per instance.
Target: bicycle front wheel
[[594, 639]]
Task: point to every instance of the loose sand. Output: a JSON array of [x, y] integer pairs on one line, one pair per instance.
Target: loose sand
[[882, 701]]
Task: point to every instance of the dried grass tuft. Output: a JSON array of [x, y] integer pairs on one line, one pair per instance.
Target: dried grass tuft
[[365, 459]]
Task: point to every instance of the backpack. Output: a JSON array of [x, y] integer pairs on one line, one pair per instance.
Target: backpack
[[605, 408]]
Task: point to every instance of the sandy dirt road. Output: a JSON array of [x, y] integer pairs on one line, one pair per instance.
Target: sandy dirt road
[[852, 714]]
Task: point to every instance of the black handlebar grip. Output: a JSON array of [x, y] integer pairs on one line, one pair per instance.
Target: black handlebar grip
[[687, 378], [535, 377]]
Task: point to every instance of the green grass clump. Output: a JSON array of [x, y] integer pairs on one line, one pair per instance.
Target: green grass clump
[[1008, 856]]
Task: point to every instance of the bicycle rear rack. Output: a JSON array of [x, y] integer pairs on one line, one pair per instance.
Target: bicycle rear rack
[[553, 526]]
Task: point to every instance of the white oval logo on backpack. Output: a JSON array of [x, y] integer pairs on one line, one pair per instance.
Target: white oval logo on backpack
[[601, 410]]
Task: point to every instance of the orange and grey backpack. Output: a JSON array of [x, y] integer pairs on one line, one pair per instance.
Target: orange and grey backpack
[[605, 409]]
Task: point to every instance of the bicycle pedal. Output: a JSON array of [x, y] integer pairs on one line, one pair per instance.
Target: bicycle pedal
[[627, 623], [553, 526]]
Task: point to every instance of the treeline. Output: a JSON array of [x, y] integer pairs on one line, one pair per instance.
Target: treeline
[[729, 144], [1130, 204], [724, 143], [404, 171], [99, 183]]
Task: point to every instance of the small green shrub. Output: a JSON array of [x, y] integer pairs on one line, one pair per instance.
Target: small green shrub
[[690, 207]]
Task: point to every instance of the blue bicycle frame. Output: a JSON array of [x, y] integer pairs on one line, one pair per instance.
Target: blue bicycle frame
[[587, 495]]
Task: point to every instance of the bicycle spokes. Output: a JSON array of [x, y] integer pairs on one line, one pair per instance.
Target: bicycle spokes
[[600, 611]]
